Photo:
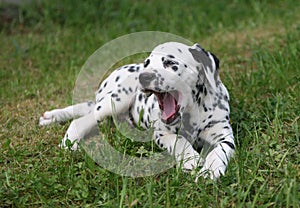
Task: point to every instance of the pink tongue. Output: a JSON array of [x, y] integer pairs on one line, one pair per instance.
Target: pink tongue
[[169, 105]]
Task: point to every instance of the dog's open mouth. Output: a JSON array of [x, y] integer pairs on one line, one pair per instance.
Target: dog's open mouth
[[169, 104]]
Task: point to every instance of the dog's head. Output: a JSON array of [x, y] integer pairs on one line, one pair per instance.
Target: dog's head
[[178, 75]]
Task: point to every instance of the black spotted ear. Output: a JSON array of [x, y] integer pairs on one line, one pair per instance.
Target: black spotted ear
[[217, 62], [208, 64], [197, 45]]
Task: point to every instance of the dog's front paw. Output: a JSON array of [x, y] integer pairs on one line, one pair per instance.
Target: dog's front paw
[[47, 119], [189, 161], [211, 172], [71, 138], [213, 168], [70, 144]]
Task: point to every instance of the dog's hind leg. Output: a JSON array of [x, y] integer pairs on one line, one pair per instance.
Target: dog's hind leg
[[65, 114]]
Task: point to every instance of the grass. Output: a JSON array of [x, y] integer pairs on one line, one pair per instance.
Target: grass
[[43, 48]]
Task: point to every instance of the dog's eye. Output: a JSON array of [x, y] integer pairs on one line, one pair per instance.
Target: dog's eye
[[168, 63]]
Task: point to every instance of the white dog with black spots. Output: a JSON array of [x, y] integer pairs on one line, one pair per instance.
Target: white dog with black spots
[[178, 92]]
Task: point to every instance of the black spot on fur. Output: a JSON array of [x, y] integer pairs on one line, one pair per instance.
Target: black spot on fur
[[131, 69], [124, 90], [175, 68], [205, 108], [117, 78], [147, 62], [200, 87], [213, 122], [140, 97], [98, 108], [229, 144], [99, 100], [217, 136], [226, 98]]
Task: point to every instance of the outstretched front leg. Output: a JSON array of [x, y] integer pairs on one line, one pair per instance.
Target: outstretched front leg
[[109, 103], [118, 90]]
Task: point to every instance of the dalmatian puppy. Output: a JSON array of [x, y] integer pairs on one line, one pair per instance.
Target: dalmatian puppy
[[178, 92]]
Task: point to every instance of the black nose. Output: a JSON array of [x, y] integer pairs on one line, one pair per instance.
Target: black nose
[[145, 78]]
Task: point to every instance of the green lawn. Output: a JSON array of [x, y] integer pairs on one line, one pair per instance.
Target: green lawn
[[43, 47]]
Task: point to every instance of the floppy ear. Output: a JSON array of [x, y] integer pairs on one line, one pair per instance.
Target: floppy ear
[[208, 65], [217, 62]]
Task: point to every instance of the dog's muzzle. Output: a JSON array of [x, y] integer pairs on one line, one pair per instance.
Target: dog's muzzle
[[146, 78]]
